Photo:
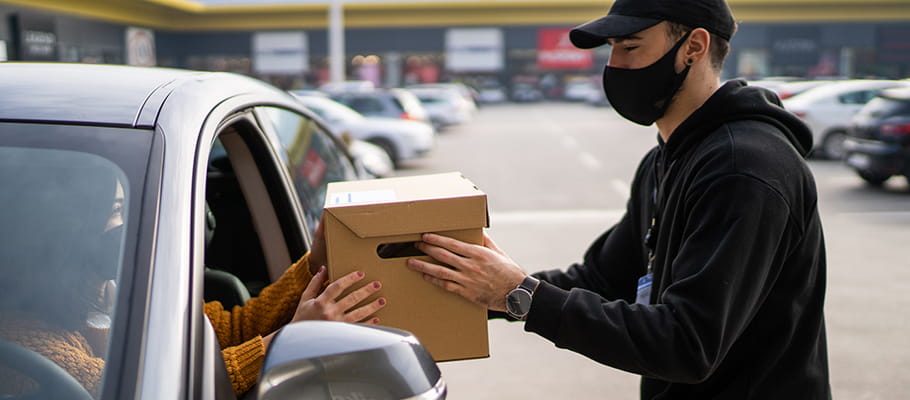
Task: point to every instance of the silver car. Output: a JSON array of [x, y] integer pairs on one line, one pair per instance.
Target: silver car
[[401, 139], [166, 154]]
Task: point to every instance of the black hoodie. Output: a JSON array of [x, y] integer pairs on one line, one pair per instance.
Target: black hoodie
[[736, 309]]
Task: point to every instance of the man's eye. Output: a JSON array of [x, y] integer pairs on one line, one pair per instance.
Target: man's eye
[[630, 48]]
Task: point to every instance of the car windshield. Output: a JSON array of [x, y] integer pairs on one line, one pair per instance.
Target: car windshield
[[66, 213]]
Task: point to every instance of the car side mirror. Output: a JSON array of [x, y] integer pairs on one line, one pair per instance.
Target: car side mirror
[[336, 360]]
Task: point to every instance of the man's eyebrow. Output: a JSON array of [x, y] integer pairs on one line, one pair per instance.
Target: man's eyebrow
[[619, 39]]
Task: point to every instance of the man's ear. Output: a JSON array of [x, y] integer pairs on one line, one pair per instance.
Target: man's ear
[[696, 47]]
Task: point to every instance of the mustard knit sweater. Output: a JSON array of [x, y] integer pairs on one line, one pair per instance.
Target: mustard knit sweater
[[239, 332]]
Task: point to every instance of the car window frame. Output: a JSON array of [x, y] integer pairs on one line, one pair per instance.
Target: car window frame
[[352, 170], [204, 365]]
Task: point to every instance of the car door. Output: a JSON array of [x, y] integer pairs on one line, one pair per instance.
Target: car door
[[253, 231]]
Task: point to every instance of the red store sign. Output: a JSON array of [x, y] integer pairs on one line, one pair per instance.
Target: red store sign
[[555, 51]]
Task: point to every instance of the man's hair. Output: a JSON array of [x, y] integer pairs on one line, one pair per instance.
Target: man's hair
[[718, 52]]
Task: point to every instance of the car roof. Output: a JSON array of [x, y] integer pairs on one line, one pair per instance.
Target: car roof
[[858, 84], [837, 88], [901, 93], [107, 94], [79, 92]]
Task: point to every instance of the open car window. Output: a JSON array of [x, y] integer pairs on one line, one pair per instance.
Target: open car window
[[312, 157]]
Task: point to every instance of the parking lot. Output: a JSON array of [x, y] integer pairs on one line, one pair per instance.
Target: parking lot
[[557, 175]]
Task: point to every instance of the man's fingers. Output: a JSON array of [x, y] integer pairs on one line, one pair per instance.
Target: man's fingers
[[434, 270], [454, 245], [490, 244], [441, 254]]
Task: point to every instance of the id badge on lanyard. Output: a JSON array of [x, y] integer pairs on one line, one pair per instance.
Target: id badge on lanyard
[[643, 295]]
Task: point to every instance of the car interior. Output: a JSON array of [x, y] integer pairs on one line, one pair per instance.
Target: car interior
[[247, 244]]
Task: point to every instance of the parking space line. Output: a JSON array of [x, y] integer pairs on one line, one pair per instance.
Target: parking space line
[[589, 160]]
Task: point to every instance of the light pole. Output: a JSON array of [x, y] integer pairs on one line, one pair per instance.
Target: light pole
[[336, 41]]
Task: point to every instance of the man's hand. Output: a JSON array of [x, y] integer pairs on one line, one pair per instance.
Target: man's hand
[[328, 306], [481, 274]]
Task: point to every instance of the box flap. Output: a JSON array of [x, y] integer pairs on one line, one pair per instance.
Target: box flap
[[405, 205]]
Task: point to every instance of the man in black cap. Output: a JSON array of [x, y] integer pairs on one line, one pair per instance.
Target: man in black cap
[[712, 284]]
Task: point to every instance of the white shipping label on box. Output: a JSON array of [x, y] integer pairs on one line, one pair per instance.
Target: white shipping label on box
[[369, 196]]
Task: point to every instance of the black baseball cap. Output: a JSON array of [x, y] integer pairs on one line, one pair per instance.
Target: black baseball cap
[[629, 16]]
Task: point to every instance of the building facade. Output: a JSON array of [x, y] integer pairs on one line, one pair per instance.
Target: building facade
[[398, 43]]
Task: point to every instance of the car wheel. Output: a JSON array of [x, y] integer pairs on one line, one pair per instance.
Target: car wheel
[[388, 147], [873, 178], [833, 145]]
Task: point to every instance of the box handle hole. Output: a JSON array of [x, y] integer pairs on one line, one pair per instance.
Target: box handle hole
[[398, 250]]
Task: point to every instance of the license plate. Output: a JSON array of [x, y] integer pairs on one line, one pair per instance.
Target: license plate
[[859, 161]]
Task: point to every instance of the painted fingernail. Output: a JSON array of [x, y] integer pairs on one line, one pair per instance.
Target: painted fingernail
[[382, 302], [377, 285], [360, 274], [376, 321], [321, 269]]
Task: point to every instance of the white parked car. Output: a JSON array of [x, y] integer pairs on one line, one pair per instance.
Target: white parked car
[[446, 106], [373, 158], [581, 89], [348, 87], [401, 139], [828, 109]]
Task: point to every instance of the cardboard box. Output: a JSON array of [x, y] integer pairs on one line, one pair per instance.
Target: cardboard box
[[371, 225]]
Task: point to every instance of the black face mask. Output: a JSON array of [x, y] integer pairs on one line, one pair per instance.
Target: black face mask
[[643, 95], [105, 258]]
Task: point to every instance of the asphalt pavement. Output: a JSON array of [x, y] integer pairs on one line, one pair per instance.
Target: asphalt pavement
[[557, 175]]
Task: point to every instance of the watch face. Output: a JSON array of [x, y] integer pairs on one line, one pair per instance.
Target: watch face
[[518, 302]]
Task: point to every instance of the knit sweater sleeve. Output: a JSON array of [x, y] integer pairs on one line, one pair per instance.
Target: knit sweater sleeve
[[70, 350], [263, 314], [240, 330]]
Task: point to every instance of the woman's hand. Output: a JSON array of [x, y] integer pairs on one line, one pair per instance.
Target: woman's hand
[[329, 307]]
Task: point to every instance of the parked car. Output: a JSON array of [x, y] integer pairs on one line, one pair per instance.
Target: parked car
[[581, 89], [393, 103], [470, 94], [81, 145], [828, 110], [526, 93], [878, 145], [375, 159], [787, 90], [491, 93], [446, 106], [400, 139], [353, 86]]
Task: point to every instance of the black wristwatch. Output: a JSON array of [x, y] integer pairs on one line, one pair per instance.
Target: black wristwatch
[[518, 301]]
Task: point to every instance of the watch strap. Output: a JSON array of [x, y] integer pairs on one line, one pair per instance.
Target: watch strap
[[530, 284]]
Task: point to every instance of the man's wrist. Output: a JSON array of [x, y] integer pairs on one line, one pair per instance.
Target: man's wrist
[[518, 300]]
